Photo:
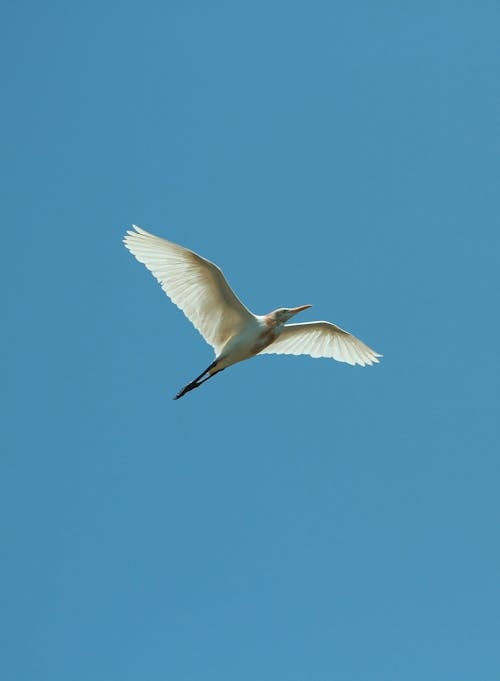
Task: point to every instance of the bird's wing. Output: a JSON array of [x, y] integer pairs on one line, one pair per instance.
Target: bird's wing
[[321, 339], [195, 285]]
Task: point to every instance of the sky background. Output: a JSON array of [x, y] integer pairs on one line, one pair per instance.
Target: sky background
[[294, 518]]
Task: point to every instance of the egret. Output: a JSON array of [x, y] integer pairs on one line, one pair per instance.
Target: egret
[[199, 288]]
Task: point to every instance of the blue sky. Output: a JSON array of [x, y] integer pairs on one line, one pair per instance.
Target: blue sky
[[294, 518]]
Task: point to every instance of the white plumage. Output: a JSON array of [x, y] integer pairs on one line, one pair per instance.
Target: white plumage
[[321, 339], [200, 290]]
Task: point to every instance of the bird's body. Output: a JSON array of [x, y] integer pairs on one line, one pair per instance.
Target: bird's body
[[254, 337], [200, 290]]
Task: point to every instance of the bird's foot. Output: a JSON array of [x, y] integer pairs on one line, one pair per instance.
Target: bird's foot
[[199, 380], [187, 388]]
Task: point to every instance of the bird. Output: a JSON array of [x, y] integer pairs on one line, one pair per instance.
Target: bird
[[199, 288]]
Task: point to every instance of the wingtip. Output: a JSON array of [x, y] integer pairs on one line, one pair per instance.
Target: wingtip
[[138, 230], [368, 360], [134, 232]]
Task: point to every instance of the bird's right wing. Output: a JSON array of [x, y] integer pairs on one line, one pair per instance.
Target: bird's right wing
[[321, 339], [195, 285]]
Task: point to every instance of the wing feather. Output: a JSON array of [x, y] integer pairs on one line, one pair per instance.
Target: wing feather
[[322, 339], [196, 285]]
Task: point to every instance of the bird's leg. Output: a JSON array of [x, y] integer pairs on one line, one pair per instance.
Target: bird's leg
[[187, 388], [195, 383]]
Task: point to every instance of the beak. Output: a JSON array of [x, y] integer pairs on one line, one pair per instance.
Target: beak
[[296, 310]]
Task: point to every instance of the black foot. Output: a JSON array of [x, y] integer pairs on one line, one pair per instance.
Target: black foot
[[186, 389], [198, 381]]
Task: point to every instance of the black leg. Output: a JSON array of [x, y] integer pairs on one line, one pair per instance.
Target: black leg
[[196, 382], [187, 388]]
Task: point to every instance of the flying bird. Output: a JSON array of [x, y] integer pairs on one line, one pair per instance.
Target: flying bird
[[199, 288]]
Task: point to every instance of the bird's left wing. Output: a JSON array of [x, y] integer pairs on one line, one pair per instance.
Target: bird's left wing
[[195, 285], [321, 339]]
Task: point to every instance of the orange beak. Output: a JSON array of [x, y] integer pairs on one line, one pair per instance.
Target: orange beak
[[295, 310]]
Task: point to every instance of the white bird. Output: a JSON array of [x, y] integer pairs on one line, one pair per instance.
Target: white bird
[[200, 290]]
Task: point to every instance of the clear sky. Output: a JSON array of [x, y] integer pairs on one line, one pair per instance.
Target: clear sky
[[294, 518]]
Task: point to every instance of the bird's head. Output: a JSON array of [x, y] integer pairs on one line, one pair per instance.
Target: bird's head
[[283, 314]]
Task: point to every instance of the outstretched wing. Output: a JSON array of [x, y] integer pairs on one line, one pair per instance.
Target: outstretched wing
[[321, 339], [195, 285]]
